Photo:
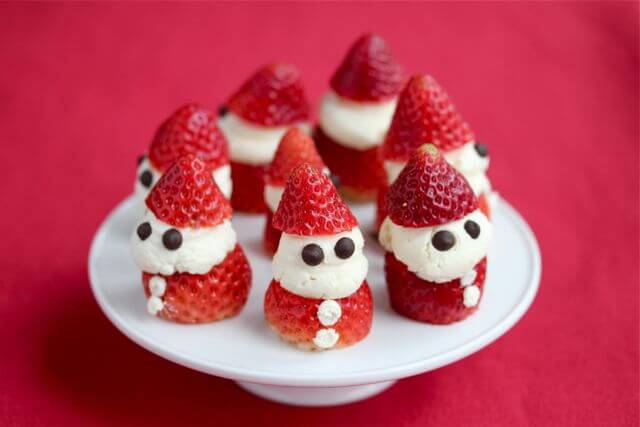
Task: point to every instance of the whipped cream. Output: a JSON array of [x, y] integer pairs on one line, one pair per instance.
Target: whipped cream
[[329, 312], [221, 175], [326, 338], [412, 247], [357, 125], [201, 249], [333, 278], [393, 169], [250, 143]]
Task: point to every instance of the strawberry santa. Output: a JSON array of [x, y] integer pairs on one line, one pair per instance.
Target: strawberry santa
[[254, 120], [426, 115], [190, 130], [194, 271], [355, 115], [319, 298], [295, 149], [436, 240]]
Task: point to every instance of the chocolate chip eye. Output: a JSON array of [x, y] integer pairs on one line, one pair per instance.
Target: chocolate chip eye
[[172, 239], [140, 159], [312, 254], [472, 228], [335, 179], [344, 248], [144, 230], [443, 240], [222, 110], [146, 178], [481, 149]]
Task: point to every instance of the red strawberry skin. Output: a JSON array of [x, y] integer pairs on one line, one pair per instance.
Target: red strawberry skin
[[187, 196], [369, 72], [424, 114], [381, 210], [310, 205], [273, 96], [271, 237], [429, 191], [437, 303], [295, 318], [201, 298], [295, 148], [359, 171], [248, 187], [190, 130]]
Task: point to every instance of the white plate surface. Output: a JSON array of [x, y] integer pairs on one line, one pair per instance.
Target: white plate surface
[[245, 349]]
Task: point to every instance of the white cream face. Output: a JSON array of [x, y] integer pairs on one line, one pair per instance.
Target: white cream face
[[334, 277], [200, 250], [470, 163], [415, 247]]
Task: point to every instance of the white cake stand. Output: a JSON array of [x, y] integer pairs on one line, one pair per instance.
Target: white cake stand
[[244, 349]]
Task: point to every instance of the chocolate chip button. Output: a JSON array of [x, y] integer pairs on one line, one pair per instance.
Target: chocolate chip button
[[140, 159], [481, 149], [344, 248], [472, 228], [172, 239], [144, 230], [222, 110], [312, 254], [443, 240], [146, 178]]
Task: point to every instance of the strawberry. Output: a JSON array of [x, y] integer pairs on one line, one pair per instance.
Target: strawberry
[[271, 236], [429, 192], [381, 210], [190, 130], [359, 171], [187, 196], [294, 149], [439, 303], [273, 96], [424, 114], [248, 187], [369, 72], [200, 298], [295, 318], [310, 205]]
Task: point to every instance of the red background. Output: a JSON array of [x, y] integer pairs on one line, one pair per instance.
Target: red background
[[552, 88]]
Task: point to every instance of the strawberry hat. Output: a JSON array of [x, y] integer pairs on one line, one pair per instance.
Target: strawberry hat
[[369, 72], [429, 191], [295, 148], [273, 96], [311, 206], [190, 130], [187, 196], [424, 115]]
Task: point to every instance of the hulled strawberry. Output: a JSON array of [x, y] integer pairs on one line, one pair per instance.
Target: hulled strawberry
[[426, 115], [191, 130], [319, 298], [194, 270], [436, 240], [294, 149], [257, 115], [355, 115]]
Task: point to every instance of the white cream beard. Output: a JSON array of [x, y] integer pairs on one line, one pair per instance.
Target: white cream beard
[[413, 247], [201, 249], [333, 278], [222, 177], [357, 125], [250, 143]]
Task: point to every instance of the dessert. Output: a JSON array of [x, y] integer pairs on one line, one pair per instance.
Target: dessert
[[319, 298], [355, 115], [190, 130], [194, 271], [425, 114], [256, 117], [436, 240], [295, 149]]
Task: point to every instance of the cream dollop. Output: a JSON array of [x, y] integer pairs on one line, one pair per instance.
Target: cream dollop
[[413, 247], [333, 278], [201, 249], [357, 125], [250, 143]]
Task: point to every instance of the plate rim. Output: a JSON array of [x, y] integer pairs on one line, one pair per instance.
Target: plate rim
[[313, 380]]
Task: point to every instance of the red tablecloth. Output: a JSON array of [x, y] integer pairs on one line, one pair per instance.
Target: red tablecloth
[[552, 88]]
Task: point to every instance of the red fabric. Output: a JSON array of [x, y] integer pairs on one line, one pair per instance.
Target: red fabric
[[552, 88]]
